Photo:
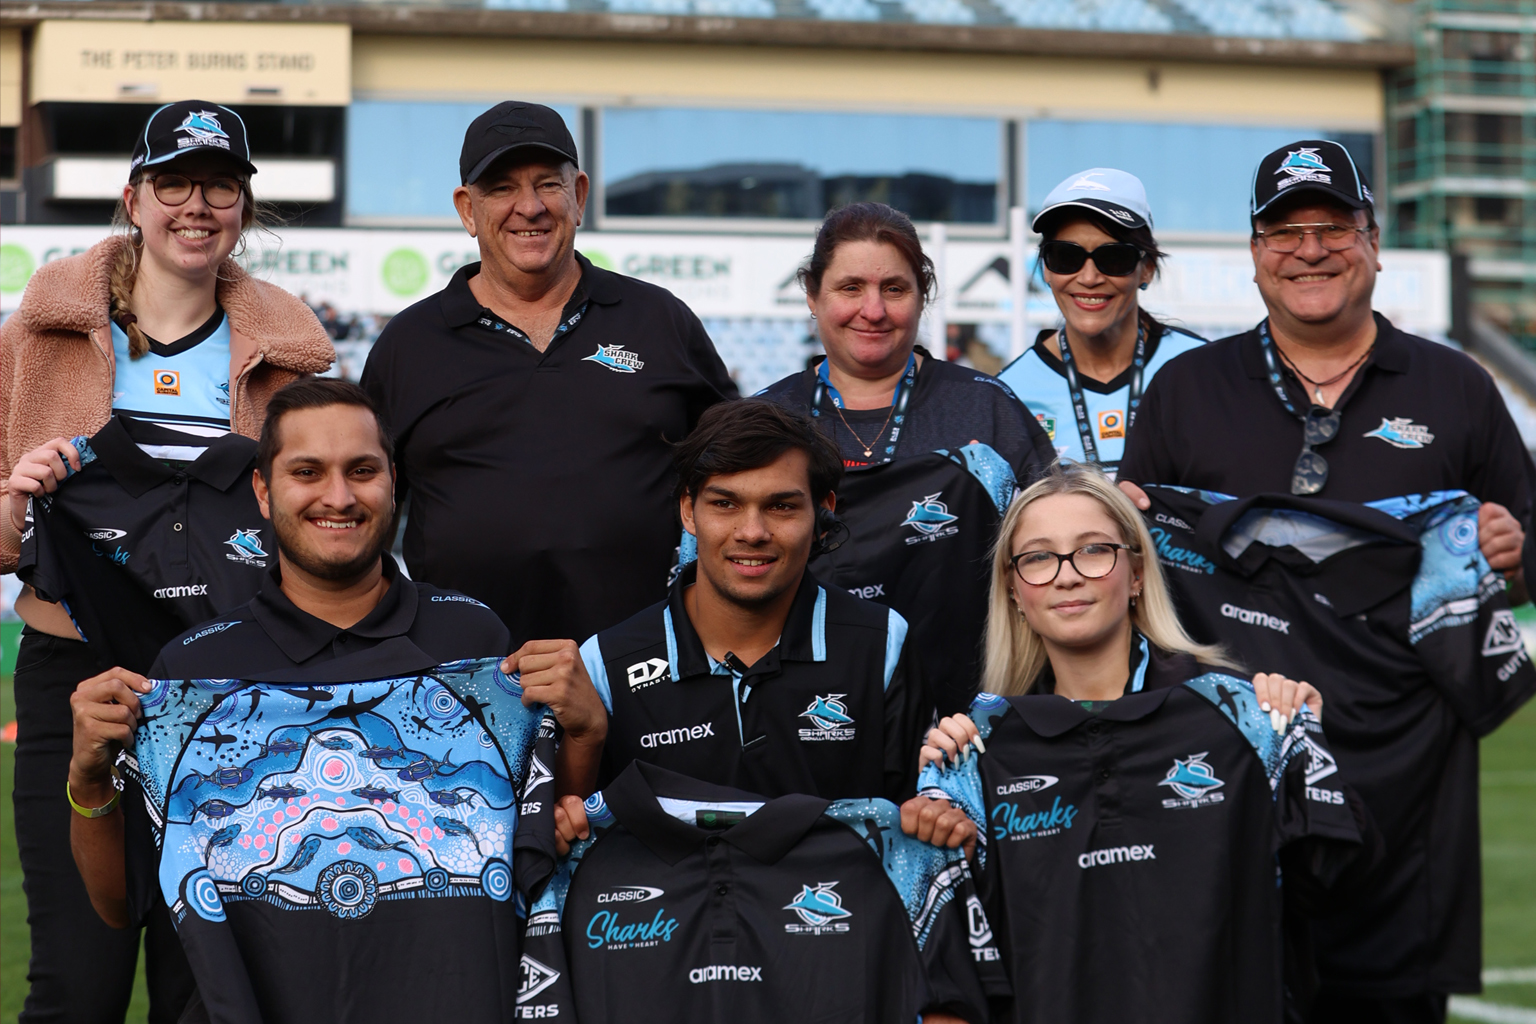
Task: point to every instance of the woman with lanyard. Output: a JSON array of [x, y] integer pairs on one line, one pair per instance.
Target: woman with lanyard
[[85, 345], [1084, 380], [934, 451], [1135, 791]]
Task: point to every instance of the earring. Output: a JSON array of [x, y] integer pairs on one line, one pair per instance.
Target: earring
[[813, 316], [1146, 285]]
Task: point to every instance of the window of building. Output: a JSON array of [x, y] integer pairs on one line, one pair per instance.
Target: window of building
[[781, 165], [403, 158]]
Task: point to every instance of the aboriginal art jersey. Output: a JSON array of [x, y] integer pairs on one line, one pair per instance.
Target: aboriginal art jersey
[[1392, 612], [1039, 378], [694, 902], [1131, 848], [157, 531], [920, 522], [342, 852]]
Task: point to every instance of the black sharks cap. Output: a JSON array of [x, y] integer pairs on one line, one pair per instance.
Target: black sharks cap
[[1311, 165], [508, 126], [192, 126]]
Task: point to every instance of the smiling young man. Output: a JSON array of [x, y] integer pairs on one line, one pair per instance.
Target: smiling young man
[[533, 399], [1327, 398]]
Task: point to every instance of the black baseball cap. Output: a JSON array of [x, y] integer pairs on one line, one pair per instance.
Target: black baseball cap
[[191, 126], [1311, 165], [513, 125]]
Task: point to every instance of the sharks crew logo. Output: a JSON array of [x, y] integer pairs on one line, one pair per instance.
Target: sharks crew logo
[[1194, 782], [614, 357], [202, 128], [931, 519], [820, 909], [1402, 432], [831, 719], [1302, 165], [247, 545]]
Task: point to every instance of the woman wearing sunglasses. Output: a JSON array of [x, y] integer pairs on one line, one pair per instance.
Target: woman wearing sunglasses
[[1084, 380], [156, 323], [1135, 793]]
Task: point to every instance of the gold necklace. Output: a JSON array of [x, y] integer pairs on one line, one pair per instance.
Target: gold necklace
[[869, 448]]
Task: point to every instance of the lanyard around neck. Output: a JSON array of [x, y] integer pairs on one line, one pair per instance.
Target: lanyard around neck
[[1276, 381], [899, 400], [1080, 406]]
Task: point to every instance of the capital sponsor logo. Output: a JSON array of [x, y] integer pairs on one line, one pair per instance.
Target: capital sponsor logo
[[607, 930], [1503, 636], [829, 714], [1173, 521], [1111, 424], [1302, 165], [217, 627], [1402, 432], [647, 673], [631, 894], [1320, 763], [1026, 784], [167, 382], [1010, 821], [616, 358], [1194, 781], [1115, 855], [1171, 554], [931, 519], [868, 593], [247, 548], [535, 978], [1249, 617], [724, 972], [106, 533], [672, 737], [820, 909], [189, 590]]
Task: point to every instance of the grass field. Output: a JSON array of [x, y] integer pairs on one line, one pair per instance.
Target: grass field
[[1509, 871]]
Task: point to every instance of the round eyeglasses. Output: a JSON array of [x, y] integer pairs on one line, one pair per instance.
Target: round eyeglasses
[[175, 189], [1092, 561]]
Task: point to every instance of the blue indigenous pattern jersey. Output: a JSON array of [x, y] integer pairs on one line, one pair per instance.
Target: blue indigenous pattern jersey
[[1142, 835], [321, 830], [696, 902], [180, 385]]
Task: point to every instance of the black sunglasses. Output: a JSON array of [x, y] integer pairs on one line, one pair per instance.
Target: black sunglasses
[[1318, 427], [1116, 259]]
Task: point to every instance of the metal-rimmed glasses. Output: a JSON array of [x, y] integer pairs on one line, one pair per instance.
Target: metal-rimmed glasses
[[1092, 562], [219, 193], [1289, 237], [1319, 426]]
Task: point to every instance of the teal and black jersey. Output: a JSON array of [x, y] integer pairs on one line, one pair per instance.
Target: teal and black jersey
[[1130, 847], [1039, 378], [182, 384], [694, 902]]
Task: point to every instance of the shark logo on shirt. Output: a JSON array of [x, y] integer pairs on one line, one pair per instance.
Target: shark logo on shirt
[[248, 550]]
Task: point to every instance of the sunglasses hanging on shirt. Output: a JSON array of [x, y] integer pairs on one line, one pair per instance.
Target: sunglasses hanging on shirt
[[1319, 426]]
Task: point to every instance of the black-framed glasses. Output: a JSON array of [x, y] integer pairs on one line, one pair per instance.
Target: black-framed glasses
[[1288, 237], [1115, 259], [1092, 562], [175, 189], [1319, 426]]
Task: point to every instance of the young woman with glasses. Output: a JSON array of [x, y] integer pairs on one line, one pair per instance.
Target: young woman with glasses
[[1134, 791], [1084, 380], [157, 323]]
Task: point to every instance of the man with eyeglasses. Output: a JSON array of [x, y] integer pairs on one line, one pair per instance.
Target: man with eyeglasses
[[1326, 398]]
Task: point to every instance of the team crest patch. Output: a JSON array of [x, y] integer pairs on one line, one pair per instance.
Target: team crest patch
[[167, 382], [1402, 432], [830, 717], [202, 128], [820, 909], [931, 519], [1111, 424], [615, 358], [1302, 165], [1048, 424], [248, 550], [1194, 781]]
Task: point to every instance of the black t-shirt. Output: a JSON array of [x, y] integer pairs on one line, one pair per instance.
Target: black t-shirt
[[1418, 417], [1128, 861], [694, 902], [836, 709], [158, 530], [920, 527], [541, 482], [1392, 613], [321, 837]]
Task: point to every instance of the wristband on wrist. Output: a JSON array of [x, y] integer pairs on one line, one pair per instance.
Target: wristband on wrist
[[106, 808]]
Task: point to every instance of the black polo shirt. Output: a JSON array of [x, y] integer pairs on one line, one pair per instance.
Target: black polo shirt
[[1129, 852], [1418, 417], [837, 709], [696, 902], [158, 530], [541, 482]]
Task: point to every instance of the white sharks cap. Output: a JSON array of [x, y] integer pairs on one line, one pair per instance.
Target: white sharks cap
[[1115, 195]]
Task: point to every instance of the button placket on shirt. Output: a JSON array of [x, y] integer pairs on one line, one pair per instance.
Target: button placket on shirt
[[1103, 772], [720, 900], [179, 519]]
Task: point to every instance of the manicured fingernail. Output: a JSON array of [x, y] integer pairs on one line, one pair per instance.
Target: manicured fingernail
[[1264, 705], [979, 745]]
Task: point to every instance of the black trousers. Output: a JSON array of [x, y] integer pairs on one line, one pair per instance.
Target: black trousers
[[81, 970], [1336, 1008]]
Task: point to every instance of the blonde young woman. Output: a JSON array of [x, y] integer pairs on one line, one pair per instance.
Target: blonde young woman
[[1134, 793], [157, 323]]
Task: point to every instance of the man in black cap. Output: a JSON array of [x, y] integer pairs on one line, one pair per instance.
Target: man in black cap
[[533, 400], [1326, 397]]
